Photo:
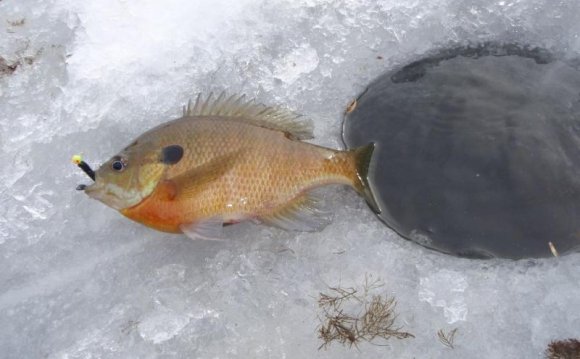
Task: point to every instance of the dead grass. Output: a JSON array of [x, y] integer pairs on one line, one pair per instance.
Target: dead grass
[[563, 349], [448, 338], [350, 316]]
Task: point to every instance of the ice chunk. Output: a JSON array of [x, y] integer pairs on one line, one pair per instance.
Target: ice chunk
[[300, 61], [162, 326], [445, 289]]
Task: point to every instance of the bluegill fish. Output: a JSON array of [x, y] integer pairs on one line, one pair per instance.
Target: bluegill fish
[[224, 161]]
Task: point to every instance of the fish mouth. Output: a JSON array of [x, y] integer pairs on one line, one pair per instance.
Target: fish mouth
[[81, 187], [99, 192], [107, 193], [112, 195], [93, 190]]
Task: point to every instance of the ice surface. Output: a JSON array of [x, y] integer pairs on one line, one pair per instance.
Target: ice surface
[[80, 281], [445, 289]]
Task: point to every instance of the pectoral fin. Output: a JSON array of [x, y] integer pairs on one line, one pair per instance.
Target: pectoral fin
[[197, 179], [304, 213]]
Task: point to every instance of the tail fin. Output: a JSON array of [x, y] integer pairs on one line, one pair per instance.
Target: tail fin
[[362, 160]]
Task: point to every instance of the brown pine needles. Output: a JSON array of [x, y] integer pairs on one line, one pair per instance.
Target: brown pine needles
[[373, 318], [564, 349], [447, 339]]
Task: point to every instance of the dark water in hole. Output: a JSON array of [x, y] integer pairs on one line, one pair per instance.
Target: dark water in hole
[[478, 151]]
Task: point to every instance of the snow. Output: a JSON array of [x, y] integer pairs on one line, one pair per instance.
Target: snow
[[80, 281]]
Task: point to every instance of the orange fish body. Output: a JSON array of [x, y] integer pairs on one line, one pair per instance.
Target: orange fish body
[[225, 165]]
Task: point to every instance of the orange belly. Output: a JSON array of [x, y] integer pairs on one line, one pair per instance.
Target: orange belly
[[158, 212]]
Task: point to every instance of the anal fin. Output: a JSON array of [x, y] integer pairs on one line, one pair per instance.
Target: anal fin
[[304, 213]]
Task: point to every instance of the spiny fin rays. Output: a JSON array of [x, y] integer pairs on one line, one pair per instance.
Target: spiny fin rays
[[241, 109]]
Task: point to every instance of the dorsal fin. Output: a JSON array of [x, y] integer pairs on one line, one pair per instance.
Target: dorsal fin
[[242, 109]]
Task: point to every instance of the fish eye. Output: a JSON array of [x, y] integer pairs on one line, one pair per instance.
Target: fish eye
[[118, 165]]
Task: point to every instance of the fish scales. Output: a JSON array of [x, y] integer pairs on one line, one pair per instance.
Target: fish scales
[[271, 170]]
